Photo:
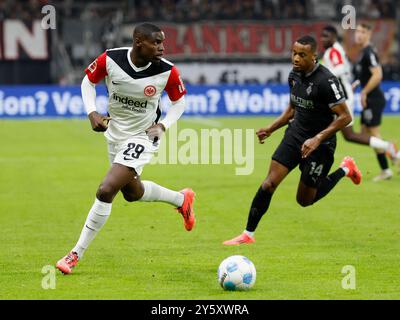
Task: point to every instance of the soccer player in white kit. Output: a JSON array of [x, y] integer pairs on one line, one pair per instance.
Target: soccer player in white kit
[[336, 61], [135, 77]]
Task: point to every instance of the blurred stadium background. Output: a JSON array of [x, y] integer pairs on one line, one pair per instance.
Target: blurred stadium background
[[225, 35], [213, 43]]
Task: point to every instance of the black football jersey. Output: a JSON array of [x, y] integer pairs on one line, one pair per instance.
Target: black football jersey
[[313, 95], [368, 59]]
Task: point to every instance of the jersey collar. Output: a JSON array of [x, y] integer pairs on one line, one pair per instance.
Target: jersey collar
[[137, 69], [312, 71]]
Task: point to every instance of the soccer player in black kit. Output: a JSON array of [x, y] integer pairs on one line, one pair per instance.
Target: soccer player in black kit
[[369, 73], [316, 111]]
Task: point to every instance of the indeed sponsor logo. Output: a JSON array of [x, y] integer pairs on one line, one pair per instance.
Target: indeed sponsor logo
[[129, 102]]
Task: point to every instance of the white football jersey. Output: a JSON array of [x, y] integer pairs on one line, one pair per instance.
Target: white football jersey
[[134, 93], [336, 61]]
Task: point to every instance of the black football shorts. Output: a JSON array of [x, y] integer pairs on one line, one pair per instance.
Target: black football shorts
[[313, 168], [371, 116]]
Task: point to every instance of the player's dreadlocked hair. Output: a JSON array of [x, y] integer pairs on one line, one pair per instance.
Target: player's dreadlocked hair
[[331, 29], [308, 40], [145, 29]]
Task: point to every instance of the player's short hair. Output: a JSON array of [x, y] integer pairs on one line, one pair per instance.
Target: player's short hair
[[331, 29], [145, 29], [308, 40], [365, 26]]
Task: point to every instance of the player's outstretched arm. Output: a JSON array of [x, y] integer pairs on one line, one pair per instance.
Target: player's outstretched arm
[[279, 122], [342, 120]]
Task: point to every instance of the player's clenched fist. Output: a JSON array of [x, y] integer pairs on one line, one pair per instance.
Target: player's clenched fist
[[155, 132], [99, 123], [309, 146], [263, 134]]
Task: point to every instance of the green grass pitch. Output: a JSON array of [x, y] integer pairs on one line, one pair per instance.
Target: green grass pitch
[[50, 171]]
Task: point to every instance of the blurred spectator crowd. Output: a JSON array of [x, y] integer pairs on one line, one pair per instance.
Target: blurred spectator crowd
[[194, 10], [107, 16]]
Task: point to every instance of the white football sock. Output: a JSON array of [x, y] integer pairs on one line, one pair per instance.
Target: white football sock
[[249, 233], [154, 192], [346, 170], [377, 143], [96, 218]]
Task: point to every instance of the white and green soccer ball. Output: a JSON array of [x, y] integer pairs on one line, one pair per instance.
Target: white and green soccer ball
[[236, 273]]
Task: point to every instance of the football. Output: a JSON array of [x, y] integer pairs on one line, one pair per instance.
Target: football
[[236, 273]]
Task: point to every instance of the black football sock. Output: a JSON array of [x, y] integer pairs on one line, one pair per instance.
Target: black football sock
[[259, 206], [329, 183], [383, 163]]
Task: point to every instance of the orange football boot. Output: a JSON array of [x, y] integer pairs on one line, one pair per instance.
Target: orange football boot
[[354, 173], [66, 264], [186, 210], [241, 239]]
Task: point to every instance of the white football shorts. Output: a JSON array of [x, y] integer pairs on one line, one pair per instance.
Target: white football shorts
[[135, 152]]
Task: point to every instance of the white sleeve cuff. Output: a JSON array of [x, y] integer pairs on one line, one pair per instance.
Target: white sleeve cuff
[[88, 95], [174, 113]]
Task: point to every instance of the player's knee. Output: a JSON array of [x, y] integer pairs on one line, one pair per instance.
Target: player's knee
[[349, 137], [269, 186], [304, 202], [132, 194], [131, 197], [105, 193]]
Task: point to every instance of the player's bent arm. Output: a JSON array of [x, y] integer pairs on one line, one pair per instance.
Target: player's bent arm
[[373, 82], [282, 120], [279, 122], [98, 122], [88, 95], [342, 120], [174, 112], [355, 84]]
